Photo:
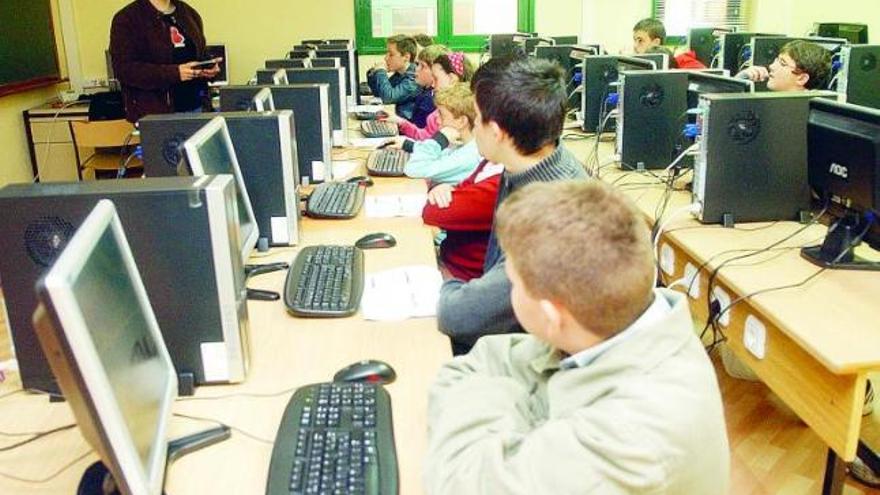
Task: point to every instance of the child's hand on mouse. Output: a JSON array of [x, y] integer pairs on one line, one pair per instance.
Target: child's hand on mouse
[[441, 195]]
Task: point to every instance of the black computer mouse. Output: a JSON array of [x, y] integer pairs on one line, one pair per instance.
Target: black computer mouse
[[361, 179], [376, 240], [369, 370]]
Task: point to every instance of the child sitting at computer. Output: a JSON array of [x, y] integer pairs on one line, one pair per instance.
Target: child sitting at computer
[[451, 154], [446, 69], [610, 392], [424, 100], [400, 88], [651, 33], [465, 212], [800, 65]]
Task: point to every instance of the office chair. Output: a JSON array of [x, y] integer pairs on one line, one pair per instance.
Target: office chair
[[104, 148]]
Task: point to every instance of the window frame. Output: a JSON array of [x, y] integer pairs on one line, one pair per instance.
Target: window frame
[[681, 40], [367, 44]]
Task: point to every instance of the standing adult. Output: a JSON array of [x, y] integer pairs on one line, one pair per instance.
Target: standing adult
[[156, 47]]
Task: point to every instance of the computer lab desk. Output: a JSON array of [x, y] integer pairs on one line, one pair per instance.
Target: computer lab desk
[[822, 339], [287, 352]]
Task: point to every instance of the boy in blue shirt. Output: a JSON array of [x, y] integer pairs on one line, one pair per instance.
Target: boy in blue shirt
[[400, 88]]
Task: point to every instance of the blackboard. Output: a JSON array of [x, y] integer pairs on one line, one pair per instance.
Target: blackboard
[[28, 55]]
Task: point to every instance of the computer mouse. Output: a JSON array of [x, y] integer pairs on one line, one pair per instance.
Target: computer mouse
[[361, 179], [385, 144], [369, 370], [381, 115], [376, 240]]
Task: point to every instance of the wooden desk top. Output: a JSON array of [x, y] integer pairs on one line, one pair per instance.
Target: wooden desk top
[[835, 317], [286, 352]]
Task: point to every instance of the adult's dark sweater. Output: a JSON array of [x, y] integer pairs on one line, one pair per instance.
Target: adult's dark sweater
[[468, 310], [146, 54]]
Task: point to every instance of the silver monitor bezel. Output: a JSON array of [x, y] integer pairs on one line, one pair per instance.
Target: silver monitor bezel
[[191, 145], [264, 96], [110, 431]]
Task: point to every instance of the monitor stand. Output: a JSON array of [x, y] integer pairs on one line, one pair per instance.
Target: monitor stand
[[254, 270], [97, 480], [836, 251]]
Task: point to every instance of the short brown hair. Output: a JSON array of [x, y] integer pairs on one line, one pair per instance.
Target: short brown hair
[[582, 244], [811, 59], [430, 53], [459, 100], [405, 45], [423, 40], [654, 28]]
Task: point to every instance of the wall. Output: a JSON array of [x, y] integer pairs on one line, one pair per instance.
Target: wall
[[796, 18], [610, 22], [16, 165]]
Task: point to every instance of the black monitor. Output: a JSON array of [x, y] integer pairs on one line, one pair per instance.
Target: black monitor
[[348, 59], [507, 45], [857, 34], [219, 51], [326, 62], [843, 156], [731, 46], [530, 44], [100, 335], [600, 76], [301, 53], [565, 40], [336, 79], [706, 83], [287, 63]]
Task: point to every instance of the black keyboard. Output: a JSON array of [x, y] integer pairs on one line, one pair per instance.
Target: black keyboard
[[325, 281], [378, 128], [387, 162], [335, 200], [335, 438]]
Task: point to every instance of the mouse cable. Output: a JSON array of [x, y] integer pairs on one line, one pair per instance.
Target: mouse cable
[[220, 423], [51, 476], [256, 395], [35, 437]]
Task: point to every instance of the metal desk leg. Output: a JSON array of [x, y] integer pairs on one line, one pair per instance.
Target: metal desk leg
[[835, 474]]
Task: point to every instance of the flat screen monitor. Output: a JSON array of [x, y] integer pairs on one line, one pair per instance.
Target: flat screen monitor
[[661, 60], [101, 338], [326, 62], [857, 34], [565, 40], [301, 53], [288, 63], [843, 156], [279, 77], [209, 152], [215, 51], [349, 61], [263, 101], [334, 46], [336, 78]]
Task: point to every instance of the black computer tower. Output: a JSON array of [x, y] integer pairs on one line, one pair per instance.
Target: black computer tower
[[752, 159], [763, 51], [652, 112], [599, 73], [731, 51], [705, 43], [336, 78], [859, 76], [181, 234], [266, 148]]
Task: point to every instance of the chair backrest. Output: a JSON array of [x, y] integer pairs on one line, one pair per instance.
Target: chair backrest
[[103, 133]]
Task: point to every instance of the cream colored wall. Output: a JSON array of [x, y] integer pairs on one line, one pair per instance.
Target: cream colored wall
[[252, 31], [796, 18], [610, 22], [16, 165]]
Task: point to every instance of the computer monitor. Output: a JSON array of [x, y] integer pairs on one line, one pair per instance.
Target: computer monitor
[[600, 74], [345, 45], [661, 60], [301, 53], [704, 41], [263, 101], [531, 43], [279, 77], [215, 51], [209, 152], [348, 59], [507, 45], [705, 83], [843, 156], [288, 63], [101, 338], [857, 34], [565, 40]]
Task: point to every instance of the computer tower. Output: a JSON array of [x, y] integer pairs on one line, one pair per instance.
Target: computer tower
[[280, 63], [731, 49], [196, 287], [311, 106], [859, 75], [266, 148], [763, 51], [857, 34], [654, 104], [705, 43], [751, 164], [336, 78], [599, 74]]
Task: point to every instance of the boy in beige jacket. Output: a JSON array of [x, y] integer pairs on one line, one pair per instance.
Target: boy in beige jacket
[[611, 392]]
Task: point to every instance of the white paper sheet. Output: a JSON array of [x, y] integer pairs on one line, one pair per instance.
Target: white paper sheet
[[401, 293], [394, 205]]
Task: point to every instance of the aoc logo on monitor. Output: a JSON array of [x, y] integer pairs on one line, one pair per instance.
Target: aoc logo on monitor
[[839, 170]]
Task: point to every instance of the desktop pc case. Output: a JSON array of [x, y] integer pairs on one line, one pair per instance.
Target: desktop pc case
[[751, 164], [599, 73], [655, 105], [209, 340], [311, 107], [731, 48], [763, 50], [705, 43], [266, 148], [859, 75]]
